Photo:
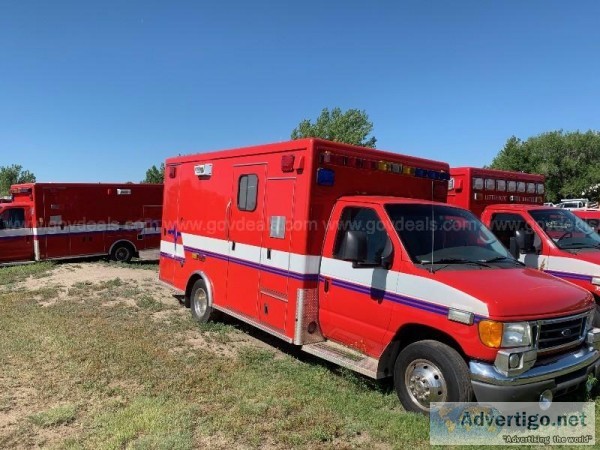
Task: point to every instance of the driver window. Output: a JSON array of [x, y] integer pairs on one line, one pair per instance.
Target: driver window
[[12, 219], [505, 225], [367, 220]]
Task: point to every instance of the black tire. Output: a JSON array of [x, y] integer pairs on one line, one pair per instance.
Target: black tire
[[434, 372], [200, 306], [121, 252]]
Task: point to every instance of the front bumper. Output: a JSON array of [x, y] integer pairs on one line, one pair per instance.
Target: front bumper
[[560, 374]]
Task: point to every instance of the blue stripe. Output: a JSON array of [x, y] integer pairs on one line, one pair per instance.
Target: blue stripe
[[573, 276], [365, 290], [258, 266], [396, 298]]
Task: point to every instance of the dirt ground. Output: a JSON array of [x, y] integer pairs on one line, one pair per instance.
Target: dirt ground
[[103, 285]]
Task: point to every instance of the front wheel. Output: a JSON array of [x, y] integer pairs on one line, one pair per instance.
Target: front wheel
[[430, 371]]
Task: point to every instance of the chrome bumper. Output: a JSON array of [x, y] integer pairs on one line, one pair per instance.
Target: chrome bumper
[[548, 369]]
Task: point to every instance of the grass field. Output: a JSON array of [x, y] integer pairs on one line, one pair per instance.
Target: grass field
[[103, 361]]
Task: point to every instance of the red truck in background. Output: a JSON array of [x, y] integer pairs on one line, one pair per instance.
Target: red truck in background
[[67, 220], [354, 255], [553, 240]]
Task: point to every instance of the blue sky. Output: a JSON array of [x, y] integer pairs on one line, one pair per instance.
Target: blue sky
[[100, 91]]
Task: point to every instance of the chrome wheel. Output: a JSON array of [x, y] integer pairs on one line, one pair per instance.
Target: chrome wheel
[[200, 302], [425, 383]]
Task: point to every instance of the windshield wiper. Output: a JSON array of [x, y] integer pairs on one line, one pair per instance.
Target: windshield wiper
[[450, 261], [579, 245], [503, 259]]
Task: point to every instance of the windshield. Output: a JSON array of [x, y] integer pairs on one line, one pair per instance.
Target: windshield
[[566, 229], [443, 234]]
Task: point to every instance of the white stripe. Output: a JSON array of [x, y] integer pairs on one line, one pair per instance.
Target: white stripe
[[16, 232], [303, 264], [413, 286], [572, 265], [171, 249]]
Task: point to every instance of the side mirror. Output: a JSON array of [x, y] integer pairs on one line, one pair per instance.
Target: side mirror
[[353, 247], [524, 240], [388, 255]]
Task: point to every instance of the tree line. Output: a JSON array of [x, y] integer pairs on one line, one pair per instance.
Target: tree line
[[570, 161]]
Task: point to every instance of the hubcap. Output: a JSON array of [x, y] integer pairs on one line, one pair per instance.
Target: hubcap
[[425, 383], [200, 302], [122, 254]]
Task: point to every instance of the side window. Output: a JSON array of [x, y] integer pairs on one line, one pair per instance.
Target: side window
[[367, 220], [247, 192], [13, 218], [505, 225]]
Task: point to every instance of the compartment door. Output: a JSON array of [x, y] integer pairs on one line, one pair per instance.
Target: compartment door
[[275, 254]]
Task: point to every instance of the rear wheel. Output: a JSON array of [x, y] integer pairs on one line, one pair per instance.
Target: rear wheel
[[430, 371], [200, 305], [122, 252]]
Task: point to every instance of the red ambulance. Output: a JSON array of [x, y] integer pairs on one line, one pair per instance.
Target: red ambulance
[[353, 254], [550, 239], [67, 220]]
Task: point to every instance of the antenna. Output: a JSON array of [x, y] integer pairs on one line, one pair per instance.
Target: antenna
[[432, 229]]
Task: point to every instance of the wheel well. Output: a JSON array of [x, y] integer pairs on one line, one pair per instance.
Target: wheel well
[[409, 334], [188, 288]]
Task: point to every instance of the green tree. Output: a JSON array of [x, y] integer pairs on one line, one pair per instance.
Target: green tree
[[155, 174], [13, 174], [350, 127], [569, 160]]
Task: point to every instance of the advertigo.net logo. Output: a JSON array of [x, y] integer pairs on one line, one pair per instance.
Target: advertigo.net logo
[[513, 424]]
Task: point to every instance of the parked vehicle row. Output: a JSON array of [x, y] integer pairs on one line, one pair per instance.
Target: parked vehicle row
[[446, 280]]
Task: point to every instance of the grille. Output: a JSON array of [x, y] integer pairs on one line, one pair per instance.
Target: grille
[[559, 333]]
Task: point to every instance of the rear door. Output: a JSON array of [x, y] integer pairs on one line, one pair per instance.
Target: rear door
[[245, 228], [16, 235], [275, 254], [172, 254]]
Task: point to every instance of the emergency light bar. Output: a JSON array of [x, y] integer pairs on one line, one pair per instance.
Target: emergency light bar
[[491, 184], [327, 157]]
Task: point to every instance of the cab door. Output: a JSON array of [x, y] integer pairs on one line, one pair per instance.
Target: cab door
[[16, 235], [245, 231], [354, 310]]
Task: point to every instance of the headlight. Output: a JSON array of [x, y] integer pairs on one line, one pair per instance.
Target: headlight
[[590, 319], [498, 334]]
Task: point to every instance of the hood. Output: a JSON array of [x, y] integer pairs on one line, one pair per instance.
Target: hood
[[519, 293]]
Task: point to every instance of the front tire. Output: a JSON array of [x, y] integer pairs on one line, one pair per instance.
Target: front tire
[[202, 310], [430, 371]]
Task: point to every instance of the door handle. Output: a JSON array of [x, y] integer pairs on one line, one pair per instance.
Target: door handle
[[326, 285], [233, 245]]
